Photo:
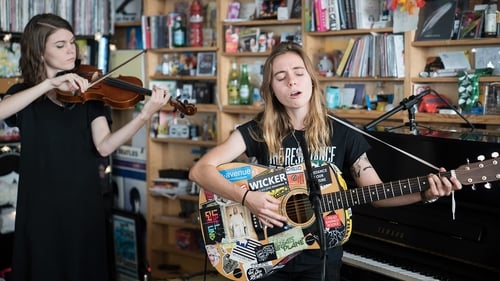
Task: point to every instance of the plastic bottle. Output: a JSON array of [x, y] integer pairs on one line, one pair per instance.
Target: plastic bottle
[[233, 85], [196, 24], [179, 33], [245, 97]]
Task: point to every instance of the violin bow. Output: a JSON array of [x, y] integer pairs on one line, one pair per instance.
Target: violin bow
[[116, 68]]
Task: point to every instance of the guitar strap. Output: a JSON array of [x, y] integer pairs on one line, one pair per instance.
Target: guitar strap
[[315, 198]]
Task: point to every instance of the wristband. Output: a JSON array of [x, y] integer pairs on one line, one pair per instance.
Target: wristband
[[244, 196]]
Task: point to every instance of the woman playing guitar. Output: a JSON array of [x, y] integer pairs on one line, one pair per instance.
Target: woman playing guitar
[[294, 113]]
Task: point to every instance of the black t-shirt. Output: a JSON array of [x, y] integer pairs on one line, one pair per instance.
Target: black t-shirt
[[347, 145]]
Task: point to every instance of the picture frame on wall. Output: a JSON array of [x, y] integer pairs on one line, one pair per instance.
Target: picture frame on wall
[[206, 63]]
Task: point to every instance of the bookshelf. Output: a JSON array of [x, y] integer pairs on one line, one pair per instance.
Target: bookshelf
[[164, 153]]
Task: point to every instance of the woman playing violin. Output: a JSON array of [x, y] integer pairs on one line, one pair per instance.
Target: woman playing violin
[[60, 221]]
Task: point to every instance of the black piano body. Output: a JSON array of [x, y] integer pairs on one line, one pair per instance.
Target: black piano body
[[425, 238]]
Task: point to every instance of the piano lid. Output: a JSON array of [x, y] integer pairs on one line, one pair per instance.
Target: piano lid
[[472, 238]]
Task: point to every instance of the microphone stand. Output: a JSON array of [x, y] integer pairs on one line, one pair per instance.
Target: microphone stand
[[315, 199], [408, 104]]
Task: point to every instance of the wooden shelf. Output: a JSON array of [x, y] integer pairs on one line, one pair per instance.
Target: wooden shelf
[[485, 79], [241, 109], [359, 79], [266, 22], [349, 32], [183, 77], [128, 23], [450, 43], [183, 50], [175, 221]]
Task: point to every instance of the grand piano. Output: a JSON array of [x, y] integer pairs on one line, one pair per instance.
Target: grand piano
[[423, 241]]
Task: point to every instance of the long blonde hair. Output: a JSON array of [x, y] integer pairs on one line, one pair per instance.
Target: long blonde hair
[[274, 120]]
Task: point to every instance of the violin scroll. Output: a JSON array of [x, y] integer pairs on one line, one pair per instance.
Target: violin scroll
[[184, 108]]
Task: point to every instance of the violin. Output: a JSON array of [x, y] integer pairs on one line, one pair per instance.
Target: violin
[[120, 93]]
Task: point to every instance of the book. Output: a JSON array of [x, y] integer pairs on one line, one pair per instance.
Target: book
[[367, 12], [359, 92], [345, 56], [333, 15], [399, 53], [321, 13], [342, 14], [436, 20], [146, 32]]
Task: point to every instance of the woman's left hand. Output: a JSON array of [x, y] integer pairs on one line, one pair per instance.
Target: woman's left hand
[[158, 99], [441, 186]]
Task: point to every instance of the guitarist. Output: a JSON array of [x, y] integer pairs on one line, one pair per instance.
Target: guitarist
[[294, 111]]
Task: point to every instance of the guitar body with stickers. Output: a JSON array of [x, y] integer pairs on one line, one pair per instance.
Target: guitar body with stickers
[[240, 248]]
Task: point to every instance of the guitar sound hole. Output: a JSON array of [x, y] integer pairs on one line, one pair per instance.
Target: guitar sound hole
[[298, 208]]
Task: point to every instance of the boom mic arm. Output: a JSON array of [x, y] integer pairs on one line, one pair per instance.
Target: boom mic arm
[[406, 103]]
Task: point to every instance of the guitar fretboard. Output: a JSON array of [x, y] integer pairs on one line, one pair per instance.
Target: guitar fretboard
[[363, 195]]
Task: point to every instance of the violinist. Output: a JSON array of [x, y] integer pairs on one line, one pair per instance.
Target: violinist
[[294, 113], [60, 229]]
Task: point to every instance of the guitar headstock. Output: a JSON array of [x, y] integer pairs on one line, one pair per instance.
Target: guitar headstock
[[483, 171]]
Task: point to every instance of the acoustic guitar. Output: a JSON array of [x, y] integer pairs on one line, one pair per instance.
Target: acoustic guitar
[[240, 248]]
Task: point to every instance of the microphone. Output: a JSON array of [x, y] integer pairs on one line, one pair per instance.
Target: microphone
[[407, 103]]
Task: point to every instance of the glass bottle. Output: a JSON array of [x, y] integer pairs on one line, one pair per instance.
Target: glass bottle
[[490, 20], [195, 24], [233, 85], [245, 97], [179, 33]]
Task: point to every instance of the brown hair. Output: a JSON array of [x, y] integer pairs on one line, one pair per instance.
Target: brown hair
[[33, 41], [275, 122]]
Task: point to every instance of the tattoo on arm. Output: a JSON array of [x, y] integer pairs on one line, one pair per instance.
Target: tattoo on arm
[[362, 164]]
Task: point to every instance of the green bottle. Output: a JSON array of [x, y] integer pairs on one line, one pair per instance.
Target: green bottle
[[245, 97], [178, 33]]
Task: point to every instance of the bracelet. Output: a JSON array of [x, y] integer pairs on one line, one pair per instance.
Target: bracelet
[[244, 196], [425, 200]]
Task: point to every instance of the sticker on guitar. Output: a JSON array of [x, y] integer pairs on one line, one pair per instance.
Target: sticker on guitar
[[240, 248]]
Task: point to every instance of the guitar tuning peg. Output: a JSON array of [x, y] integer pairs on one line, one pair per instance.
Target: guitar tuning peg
[[494, 154], [481, 158], [473, 187], [487, 185]]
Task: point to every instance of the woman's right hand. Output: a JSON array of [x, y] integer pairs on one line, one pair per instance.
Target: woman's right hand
[[69, 82], [265, 207]]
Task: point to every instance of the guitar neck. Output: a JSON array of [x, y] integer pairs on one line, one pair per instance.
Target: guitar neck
[[367, 194]]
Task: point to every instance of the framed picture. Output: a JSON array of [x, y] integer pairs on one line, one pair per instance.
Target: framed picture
[[206, 64], [128, 239]]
